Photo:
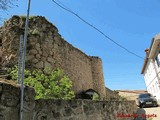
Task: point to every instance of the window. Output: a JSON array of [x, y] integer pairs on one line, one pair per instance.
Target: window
[[158, 58]]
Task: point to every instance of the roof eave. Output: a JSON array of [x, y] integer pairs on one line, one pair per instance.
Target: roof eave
[[154, 47], [152, 51]]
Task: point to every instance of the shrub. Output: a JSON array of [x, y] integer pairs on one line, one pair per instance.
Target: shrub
[[95, 96], [122, 98], [55, 85]]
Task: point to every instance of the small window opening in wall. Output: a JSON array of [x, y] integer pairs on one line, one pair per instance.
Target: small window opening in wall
[[104, 105]]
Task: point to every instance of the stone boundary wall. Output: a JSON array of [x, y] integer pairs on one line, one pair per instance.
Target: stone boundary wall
[[58, 109], [47, 49], [0, 54]]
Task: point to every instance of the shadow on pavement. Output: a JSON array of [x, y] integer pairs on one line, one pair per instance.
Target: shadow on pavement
[[141, 114]]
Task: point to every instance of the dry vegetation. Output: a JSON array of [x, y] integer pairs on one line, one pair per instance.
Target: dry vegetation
[[131, 94]]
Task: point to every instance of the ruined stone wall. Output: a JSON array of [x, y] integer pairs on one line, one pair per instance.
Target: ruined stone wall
[[75, 64], [0, 54], [0, 51], [58, 109], [47, 49]]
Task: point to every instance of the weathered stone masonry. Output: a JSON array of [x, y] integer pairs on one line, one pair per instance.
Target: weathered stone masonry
[[47, 49], [58, 109]]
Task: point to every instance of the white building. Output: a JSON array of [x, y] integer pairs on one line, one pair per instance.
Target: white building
[[151, 68]]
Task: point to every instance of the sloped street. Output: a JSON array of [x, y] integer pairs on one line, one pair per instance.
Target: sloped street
[[151, 113]]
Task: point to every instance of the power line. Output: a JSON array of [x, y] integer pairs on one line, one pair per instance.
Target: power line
[[98, 30], [63, 5]]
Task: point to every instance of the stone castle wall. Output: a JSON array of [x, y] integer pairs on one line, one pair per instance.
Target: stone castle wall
[[47, 49], [97, 74], [59, 109], [0, 54]]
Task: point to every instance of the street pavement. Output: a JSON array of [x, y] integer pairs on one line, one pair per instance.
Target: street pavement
[[150, 113]]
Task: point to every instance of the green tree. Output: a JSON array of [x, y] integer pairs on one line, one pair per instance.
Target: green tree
[[54, 85]]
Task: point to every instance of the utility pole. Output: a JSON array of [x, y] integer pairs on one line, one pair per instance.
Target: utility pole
[[21, 50], [23, 61]]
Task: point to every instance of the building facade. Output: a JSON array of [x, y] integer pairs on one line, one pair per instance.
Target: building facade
[[151, 68]]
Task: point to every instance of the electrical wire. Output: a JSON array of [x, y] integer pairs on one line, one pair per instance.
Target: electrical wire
[[98, 30], [63, 4]]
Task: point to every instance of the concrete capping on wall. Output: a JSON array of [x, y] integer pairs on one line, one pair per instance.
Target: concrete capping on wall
[[76, 109]]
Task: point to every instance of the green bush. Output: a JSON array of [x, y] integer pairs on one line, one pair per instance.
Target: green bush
[[96, 96], [55, 85]]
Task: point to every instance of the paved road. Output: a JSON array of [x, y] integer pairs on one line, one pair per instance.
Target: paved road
[[152, 113]]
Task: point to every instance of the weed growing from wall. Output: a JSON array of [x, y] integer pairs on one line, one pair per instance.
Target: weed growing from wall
[[96, 96], [54, 85]]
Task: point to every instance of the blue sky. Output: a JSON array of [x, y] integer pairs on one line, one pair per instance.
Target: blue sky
[[131, 23]]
